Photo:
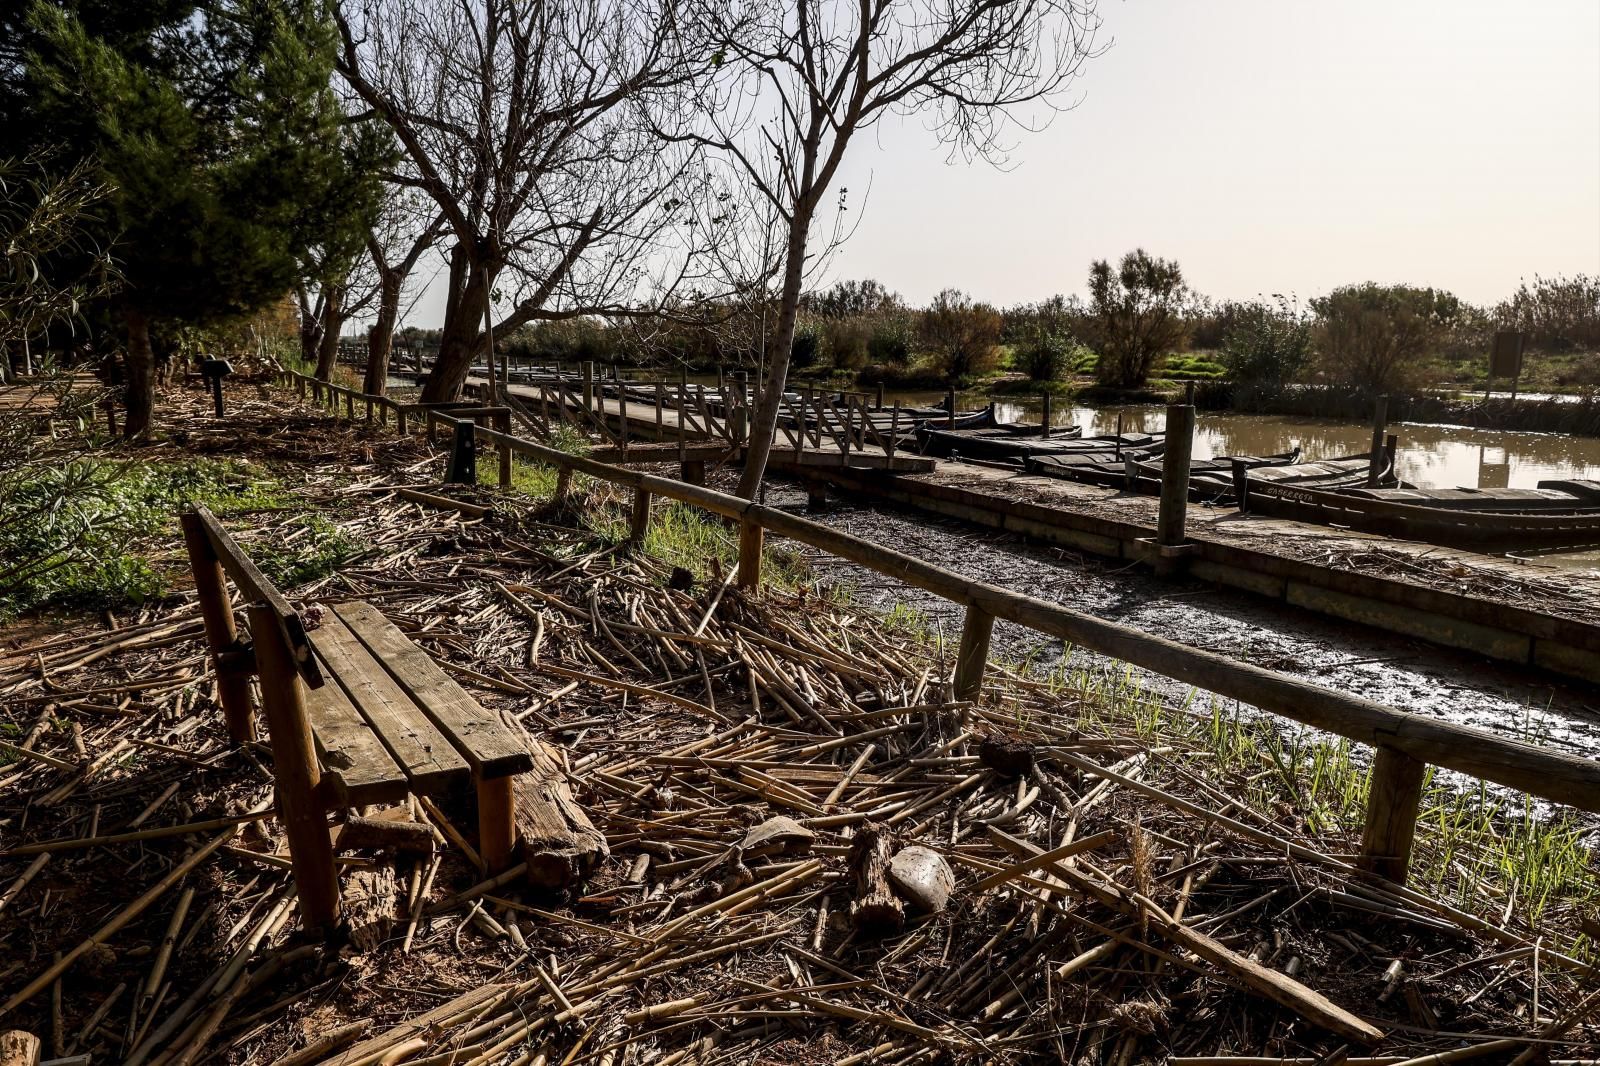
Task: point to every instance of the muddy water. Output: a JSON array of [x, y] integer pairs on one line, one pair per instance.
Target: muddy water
[[1390, 669]]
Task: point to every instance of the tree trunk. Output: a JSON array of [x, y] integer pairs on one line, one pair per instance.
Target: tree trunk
[[461, 337], [139, 388], [380, 341], [332, 324], [770, 401], [310, 326]]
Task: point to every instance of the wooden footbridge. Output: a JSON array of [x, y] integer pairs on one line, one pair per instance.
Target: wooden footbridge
[[1405, 744], [693, 423]]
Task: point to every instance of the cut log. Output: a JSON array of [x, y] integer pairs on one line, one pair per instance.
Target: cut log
[[380, 834], [559, 843], [371, 897], [876, 909], [18, 1048]]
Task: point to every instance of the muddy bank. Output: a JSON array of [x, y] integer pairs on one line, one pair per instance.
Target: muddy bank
[[1409, 675]]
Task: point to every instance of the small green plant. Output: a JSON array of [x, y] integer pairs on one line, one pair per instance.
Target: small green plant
[[306, 548], [73, 530]]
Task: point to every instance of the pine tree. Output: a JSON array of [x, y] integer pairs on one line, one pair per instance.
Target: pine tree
[[225, 148]]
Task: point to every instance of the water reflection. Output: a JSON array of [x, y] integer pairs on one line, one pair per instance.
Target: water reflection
[[1429, 456]]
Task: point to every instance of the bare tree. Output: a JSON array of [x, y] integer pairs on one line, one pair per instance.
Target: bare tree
[[530, 125], [800, 79], [404, 233]]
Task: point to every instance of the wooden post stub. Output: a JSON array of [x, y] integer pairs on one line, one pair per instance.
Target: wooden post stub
[[876, 910], [1175, 476], [216, 610], [973, 654], [295, 774], [497, 827], [1391, 813], [693, 472], [641, 516], [751, 537], [19, 1048]]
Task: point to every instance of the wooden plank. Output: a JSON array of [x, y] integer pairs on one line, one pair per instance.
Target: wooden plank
[[422, 752], [253, 585], [482, 738], [356, 768]]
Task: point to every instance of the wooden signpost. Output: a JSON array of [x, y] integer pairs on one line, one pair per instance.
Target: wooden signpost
[[1505, 359]]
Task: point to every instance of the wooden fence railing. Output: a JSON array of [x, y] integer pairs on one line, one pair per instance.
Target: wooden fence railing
[[1406, 743]]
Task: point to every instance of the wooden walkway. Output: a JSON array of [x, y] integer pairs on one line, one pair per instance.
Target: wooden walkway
[[692, 418]]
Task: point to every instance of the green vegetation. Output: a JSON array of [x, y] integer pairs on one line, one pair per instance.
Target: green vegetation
[[74, 530], [1477, 847]]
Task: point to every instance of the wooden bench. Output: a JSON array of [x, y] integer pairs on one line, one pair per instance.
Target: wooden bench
[[357, 714]]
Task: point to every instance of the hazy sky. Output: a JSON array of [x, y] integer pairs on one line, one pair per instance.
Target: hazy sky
[[1268, 146]]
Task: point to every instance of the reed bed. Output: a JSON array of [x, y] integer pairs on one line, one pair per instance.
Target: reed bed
[[1129, 881]]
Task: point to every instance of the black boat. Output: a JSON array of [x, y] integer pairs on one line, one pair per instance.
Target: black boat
[[983, 436]]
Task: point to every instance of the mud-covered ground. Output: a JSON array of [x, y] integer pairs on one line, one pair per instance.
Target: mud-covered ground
[[1411, 675]]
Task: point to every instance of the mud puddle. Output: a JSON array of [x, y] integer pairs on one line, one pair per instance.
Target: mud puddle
[[1388, 668]]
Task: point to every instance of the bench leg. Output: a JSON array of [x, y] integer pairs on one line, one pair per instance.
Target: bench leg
[[294, 768], [497, 827], [233, 681]]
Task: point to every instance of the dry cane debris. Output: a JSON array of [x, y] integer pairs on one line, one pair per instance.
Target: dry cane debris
[[814, 854]]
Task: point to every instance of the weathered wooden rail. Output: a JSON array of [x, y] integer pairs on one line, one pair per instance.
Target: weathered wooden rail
[[1405, 743]]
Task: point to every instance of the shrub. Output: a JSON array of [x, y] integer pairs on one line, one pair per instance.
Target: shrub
[[846, 341], [1559, 314], [810, 345], [1267, 346], [1138, 315], [890, 339], [1374, 337], [962, 333], [1044, 356]]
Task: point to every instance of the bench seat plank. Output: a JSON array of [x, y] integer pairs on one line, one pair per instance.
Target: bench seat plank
[[356, 768], [428, 759], [489, 746]]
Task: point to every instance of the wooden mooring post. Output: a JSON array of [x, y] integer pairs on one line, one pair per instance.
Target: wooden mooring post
[[1174, 513], [1044, 422], [973, 655], [1391, 813], [294, 769], [1380, 422]]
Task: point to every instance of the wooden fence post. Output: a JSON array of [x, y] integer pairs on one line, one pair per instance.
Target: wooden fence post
[[1391, 813], [295, 774], [641, 516], [463, 465], [750, 541], [502, 423], [973, 655], [400, 420], [588, 387], [216, 609]]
